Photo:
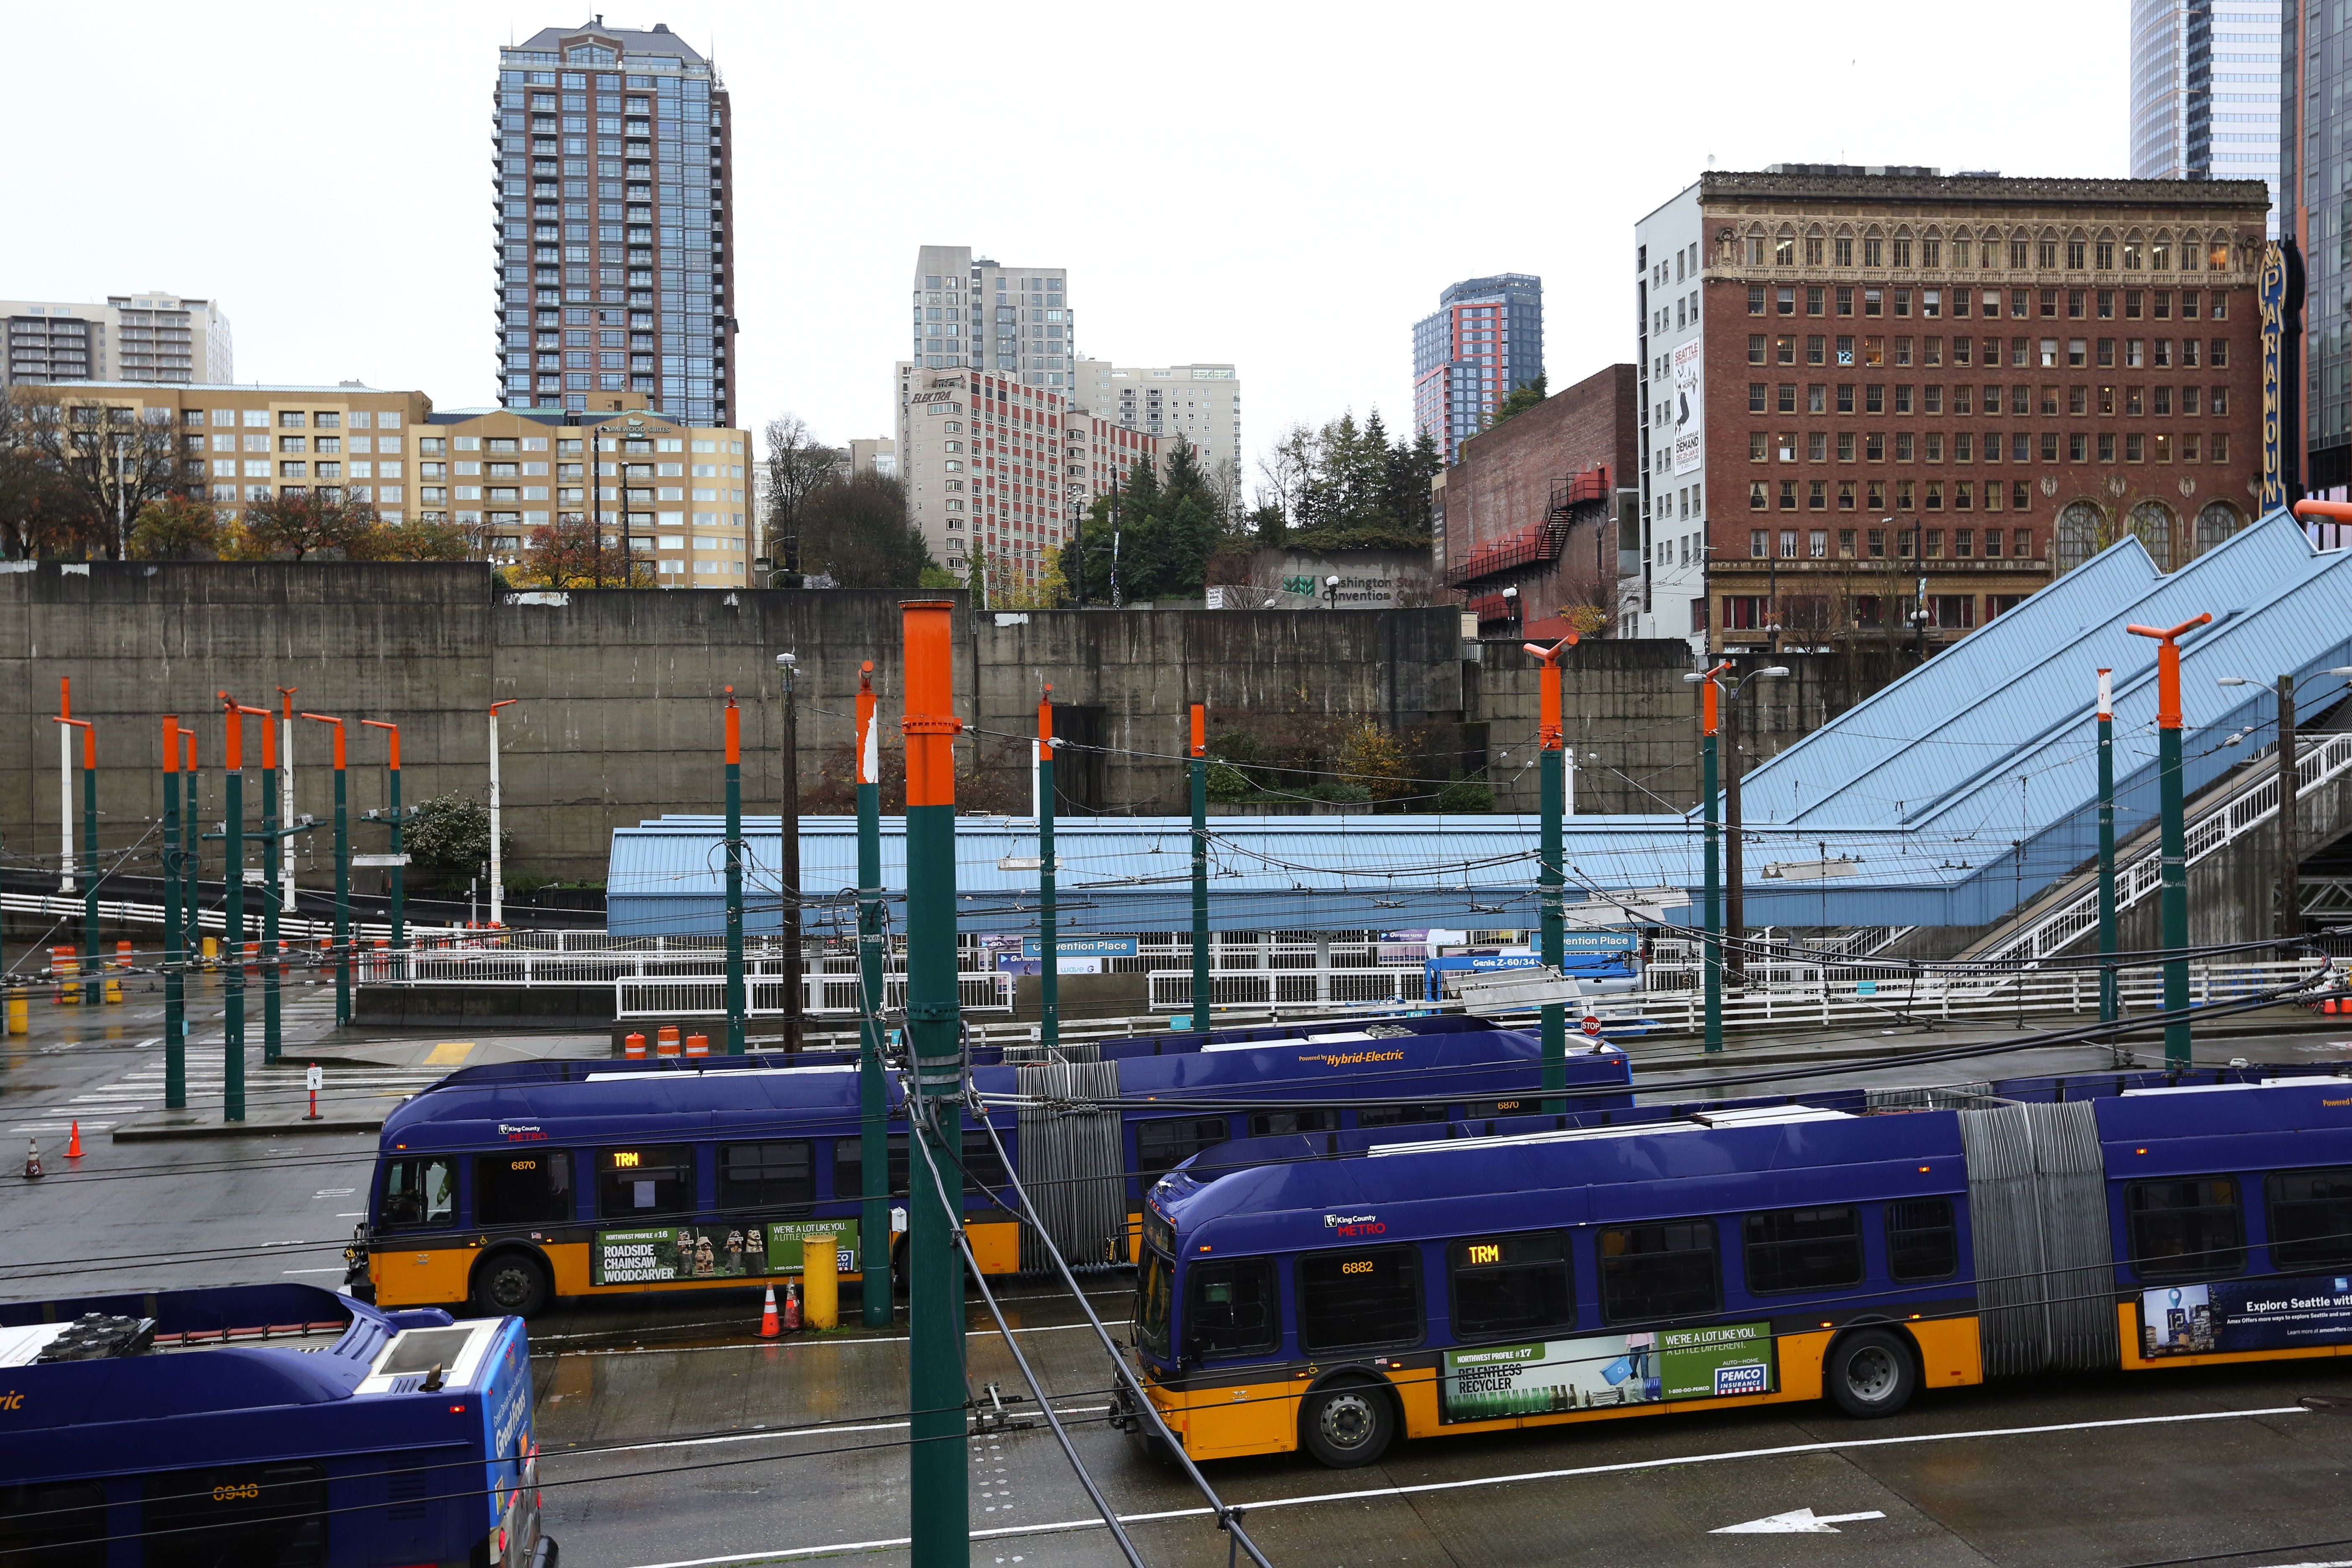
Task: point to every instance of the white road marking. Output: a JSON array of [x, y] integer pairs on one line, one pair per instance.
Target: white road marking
[[786, 1432], [1370, 1493], [1800, 1521], [891, 1339], [310, 1271]]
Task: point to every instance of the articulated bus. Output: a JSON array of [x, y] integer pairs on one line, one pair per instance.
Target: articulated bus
[[510, 1184], [1862, 1245], [281, 1426]]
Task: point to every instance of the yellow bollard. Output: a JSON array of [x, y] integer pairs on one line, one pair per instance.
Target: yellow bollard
[[20, 1012], [212, 950], [821, 1281]]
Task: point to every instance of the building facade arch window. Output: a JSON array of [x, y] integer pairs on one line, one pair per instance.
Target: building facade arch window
[[2216, 521], [2151, 524], [2081, 528]]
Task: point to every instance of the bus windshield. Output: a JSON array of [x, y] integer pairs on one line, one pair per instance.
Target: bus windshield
[[1154, 1289]]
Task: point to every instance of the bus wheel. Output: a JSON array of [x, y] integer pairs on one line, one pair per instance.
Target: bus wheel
[[511, 1284], [1871, 1374], [1346, 1425]]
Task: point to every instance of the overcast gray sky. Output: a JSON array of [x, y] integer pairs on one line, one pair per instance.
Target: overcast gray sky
[[1285, 186]]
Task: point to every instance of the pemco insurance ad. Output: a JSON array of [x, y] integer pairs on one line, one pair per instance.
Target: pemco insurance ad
[[1494, 1382]]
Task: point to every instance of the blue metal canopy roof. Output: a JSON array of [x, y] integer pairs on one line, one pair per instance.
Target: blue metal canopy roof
[[1959, 790]]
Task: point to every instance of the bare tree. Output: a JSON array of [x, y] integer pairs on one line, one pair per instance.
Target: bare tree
[[1283, 471], [798, 464], [117, 459], [42, 512]]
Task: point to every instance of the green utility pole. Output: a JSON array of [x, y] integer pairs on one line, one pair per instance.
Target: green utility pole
[[233, 881], [2174, 850], [1201, 998], [1049, 949], [735, 876], [1551, 804], [399, 876], [2108, 1008], [1711, 956], [192, 851], [873, 1090], [938, 1468], [342, 881], [93, 990], [175, 1012]]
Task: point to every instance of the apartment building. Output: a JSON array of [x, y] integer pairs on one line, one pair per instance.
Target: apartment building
[[1201, 403], [1484, 341], [614, 234], [997, 470], [158, 337], [671, 494], [1868, 394], [1014, 322]]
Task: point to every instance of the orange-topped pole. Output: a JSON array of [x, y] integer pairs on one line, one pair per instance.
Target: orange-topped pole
[[65, 784], [1202, 999], [1551, 804], [938, 1471], [175, 1028], [272, 1019], [1049, 936], [399, 870], [286, 796], [2174, 853], [342, 875], [233, 881], [735, 999]]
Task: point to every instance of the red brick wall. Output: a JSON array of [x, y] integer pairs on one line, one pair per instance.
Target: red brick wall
[[1506, 476]]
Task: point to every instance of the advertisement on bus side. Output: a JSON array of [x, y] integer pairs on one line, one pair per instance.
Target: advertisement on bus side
[[1494, 1382], [693, 1249], [2229, 1315]]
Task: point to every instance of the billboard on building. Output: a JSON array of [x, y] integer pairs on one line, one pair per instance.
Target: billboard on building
[[1687, 455]]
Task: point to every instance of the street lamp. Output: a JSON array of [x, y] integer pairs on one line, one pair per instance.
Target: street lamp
[[1511, 609], [1331, 592], [2290, 850]]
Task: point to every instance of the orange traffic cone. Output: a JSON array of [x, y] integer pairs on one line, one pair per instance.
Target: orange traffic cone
[[793, 1308], [73, 1144], [769, 1328]]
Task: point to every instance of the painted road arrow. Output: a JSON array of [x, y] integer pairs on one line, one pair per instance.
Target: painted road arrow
[[1803, 1521]]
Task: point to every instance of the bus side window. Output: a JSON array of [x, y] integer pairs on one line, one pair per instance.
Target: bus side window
[[1922, 1241], [1667, 1270], [273, 1516], [1364, 1298], [849, 1166], [532, 1188], [641, 1182], [767, 1175], [2311, 1218], [1232, 1308], [1790, 1250], [1274, 1123], [982, 1169], [56, 1524], [1511, 1286], [1160, 1146], [420, 1191], [2188, 1230]]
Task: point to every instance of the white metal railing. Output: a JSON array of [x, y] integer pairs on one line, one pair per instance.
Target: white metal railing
[[822, 995], [2134, 880], [1170, 990]]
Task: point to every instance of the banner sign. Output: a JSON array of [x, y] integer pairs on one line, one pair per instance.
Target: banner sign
[[1496, 1381], [2269, 299], [1081, 947], [713, 1250], [2229, 1315], [1689, 409]]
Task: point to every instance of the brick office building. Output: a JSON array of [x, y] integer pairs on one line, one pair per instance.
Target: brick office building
[[1532, 505], [1886, 378]]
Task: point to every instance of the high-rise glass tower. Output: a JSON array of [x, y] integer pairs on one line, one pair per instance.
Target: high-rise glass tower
[[615, 232], [2205, 92], [1484, 342]]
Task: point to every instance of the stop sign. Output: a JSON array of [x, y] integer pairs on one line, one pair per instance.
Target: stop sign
[[1591, 1025]]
